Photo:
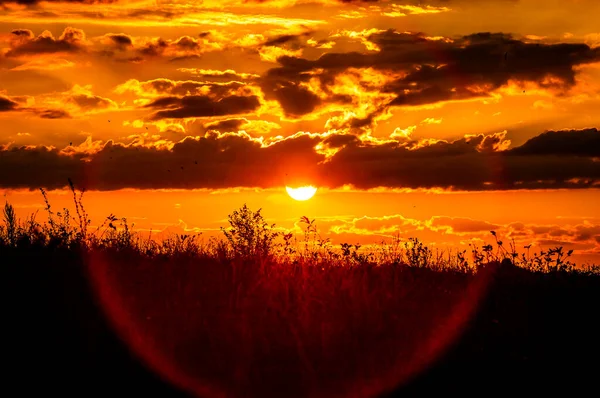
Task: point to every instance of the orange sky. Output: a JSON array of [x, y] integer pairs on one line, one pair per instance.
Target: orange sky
[[439, 119]]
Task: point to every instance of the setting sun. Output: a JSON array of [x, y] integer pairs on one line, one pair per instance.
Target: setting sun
[[301, 193]]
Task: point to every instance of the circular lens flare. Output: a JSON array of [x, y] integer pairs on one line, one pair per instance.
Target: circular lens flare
[[187, 346], [301, 193]]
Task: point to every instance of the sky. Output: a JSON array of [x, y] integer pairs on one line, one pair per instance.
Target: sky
[[436, 119]]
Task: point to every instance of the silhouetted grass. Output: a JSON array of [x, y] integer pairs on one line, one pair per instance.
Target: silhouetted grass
[[263, 313], [250, 237]]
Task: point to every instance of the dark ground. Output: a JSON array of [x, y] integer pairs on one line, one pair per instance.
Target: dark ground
[[539, 334]]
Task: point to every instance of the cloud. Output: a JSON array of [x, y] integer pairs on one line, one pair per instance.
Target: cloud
[[87, 102], [431, 120], [462, 165], [216, 160], [560, 143], [51, 113], [495, 142], [201, 106], [400, 10], [160, 87], [126, 48], [218, 74], [118, 46], [226, 125], [461, 225], [23, 42], [366, 225], [190, 98], [45, 64], [581, 236], [223, 160], [171, 14], [425, 70], [122, 47], [285, 39], [6, 104], [119, 40], [242, 124], [295, 100], [78, 101]]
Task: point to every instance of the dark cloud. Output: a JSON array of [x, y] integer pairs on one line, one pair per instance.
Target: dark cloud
[[232, 160], [141, 50], [183, 48], [120, 40], [211, 161], [296, 100], [436, 70], [226, 125], [35, 167], [84, 101], [566, 142], [201, 106], [26, 33], [187, 42], [586, 232], [285, 39], [7, 104], [23, 42], [154, 48], [52, 113], [184, 58], [152, 13], [190, 87], [462, 164], [340, 140], [88, 102]]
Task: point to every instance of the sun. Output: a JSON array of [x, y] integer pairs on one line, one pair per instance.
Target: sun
[[301, 193]]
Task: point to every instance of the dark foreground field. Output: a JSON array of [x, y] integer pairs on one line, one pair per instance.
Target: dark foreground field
[[258, 330], [109, 314]]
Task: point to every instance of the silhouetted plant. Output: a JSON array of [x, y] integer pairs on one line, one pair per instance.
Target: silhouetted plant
[[10, 224], [315, 247], [251, 237], [249, 234], [417, 254], [82, 215], [391, 252]]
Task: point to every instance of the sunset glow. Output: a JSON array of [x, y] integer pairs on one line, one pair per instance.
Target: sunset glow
[[229, 97]]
